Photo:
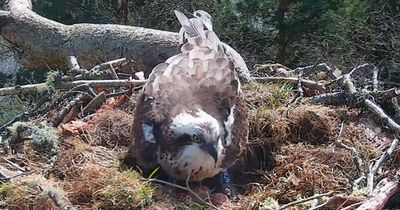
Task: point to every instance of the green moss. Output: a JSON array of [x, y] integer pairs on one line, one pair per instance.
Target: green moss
[[268, 95], [6, 188], [126, 191], [362, 192], [44, 138], [269, 204], [11, 191]]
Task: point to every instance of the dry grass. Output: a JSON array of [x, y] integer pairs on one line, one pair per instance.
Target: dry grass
[[112, 128], [309, 169], [31, 192]]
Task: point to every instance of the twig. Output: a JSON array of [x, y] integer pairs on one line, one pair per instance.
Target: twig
[[322, 66], [336, 98], [102, 83], [61, 115], [385, 156], [95, 103], [378, 111], [60, 201], [34, 88], [351, 89], [197, 196], [179, 187], [385, 94], [341, 78], [269, 65], [319, 206], [14, 164], [296, 99], [305, 200], [165, 182], [110, 95], [113, 73], [357, 157], [359, 67], [107, 65], [375, 80], [22, 117], [383, 116]]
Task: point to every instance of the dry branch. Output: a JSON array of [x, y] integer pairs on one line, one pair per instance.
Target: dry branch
[[95, 103], [309, 69], [37, 88], [68, 108], [385, 156], [375, 82], [336, 98], [182, 188], [305, 200], [383, 116], [55, 194], [378, 111], [385, 95], [380, 196]]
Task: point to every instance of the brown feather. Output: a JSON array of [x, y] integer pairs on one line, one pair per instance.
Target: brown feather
[[200, 77]]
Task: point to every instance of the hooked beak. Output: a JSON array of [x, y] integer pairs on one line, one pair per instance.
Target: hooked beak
[[210, 149]]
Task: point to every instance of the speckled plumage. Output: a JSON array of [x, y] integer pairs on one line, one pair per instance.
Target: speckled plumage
[[191, 104]]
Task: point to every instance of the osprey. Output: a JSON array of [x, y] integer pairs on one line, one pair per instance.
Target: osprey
[[190, 118], [233, 56]]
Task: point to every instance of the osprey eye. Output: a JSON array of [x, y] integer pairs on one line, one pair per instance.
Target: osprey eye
[[196, 139]]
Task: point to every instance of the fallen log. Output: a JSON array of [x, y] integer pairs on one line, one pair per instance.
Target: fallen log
[[44, 42]]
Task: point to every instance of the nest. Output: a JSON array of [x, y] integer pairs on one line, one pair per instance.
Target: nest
[[293, 154]]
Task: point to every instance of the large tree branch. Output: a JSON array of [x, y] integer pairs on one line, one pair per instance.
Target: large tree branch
[[45, 42]]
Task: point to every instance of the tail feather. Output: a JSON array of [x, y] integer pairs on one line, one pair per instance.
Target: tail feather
[[188, 26]]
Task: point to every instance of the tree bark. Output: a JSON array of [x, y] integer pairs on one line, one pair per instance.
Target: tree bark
[[282, 30], [43, 42]]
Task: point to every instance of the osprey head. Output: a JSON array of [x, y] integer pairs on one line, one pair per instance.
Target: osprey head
[[205, 18], [195, 147]]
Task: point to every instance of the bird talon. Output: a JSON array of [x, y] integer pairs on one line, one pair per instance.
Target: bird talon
[[226, 185]]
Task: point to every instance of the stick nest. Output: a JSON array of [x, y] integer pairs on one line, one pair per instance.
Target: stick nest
[[293, 155]]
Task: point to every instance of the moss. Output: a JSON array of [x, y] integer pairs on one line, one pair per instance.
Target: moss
[[269, 204], [362, 192], [6, 188], [44, 138], [126, 190], [14, 193], [267, 95]]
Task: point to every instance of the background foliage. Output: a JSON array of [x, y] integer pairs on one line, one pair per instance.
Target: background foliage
[[343, 33]]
